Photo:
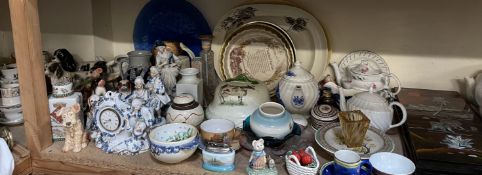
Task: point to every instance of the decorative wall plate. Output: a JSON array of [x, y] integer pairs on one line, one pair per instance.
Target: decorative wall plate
[[329, 138], [305, 31], [356, 57], [260, 50], [165, 20]]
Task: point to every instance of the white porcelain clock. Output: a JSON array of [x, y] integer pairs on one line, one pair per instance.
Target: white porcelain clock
[[110, 120]]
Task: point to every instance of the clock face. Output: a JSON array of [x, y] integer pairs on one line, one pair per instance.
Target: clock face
[[110, 120]]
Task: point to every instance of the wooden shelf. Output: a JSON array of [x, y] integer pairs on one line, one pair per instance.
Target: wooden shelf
[[92, 160], [23, 161]]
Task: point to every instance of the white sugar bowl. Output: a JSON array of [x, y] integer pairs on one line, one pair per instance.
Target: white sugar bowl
[[299, 92]]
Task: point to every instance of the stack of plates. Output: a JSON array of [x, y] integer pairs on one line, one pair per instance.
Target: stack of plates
[[10, 106]]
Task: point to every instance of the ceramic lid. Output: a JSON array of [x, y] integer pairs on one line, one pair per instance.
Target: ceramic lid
[[298, 73], [369, 101], [324, 112], [365, 68], [183, 99]]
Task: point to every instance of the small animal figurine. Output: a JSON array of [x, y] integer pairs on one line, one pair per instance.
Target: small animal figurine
[[259, 162], [125, 89], [75, 136], [66, 59], [57, 75]]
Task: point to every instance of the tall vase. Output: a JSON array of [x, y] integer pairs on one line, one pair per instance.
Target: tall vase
[[208, 73]]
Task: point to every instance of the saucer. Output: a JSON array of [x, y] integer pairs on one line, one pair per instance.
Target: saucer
[[329, 169], [4, 121], [10, 106]]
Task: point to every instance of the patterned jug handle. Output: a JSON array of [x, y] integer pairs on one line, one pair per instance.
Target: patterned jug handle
[[404, 113]]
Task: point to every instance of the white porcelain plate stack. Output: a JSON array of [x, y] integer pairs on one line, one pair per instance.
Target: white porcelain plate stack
[[10, 106]]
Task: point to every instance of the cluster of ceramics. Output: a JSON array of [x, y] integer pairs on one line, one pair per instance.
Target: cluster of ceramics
[[10, 96]]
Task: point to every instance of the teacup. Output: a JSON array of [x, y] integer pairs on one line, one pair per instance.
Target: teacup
[[349, 163], [10, 94], [391, 163], [10, 72], [218, 131]]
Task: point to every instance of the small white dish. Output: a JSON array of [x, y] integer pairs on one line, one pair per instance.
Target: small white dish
[[391, 163]]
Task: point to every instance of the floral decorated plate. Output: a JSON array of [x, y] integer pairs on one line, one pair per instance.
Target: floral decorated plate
[[306, 34], [356, 57], [260, 50], [329, 138]]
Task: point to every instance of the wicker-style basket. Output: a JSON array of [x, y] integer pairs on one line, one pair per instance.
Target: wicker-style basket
[[297, 168]]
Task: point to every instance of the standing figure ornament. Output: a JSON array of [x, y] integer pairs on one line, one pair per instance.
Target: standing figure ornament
[[159, 97], [166, 61], [259, 162]]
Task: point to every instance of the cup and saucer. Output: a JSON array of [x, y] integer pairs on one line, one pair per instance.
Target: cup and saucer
[[10, 104]]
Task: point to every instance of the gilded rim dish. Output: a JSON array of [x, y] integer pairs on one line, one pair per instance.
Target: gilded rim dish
[[375, 141]]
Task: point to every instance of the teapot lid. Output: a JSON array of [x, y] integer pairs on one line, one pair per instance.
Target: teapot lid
[[365, 68], [298, 73], [370, 101]]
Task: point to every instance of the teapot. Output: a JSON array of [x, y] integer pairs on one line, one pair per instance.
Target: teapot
[[363, 76], [375, 107], [473, 92]]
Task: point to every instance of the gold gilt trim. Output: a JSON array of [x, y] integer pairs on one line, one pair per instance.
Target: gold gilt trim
[[267, 26]]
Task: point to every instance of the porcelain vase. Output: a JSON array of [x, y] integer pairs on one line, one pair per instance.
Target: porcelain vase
[[190, 84], [185, 110], [271, 120]]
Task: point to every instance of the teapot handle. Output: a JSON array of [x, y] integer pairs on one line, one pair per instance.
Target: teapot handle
[[404, 113], [399, 85]]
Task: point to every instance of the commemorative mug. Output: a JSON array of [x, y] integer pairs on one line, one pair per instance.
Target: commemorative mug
[[10, 94], [349, 163]]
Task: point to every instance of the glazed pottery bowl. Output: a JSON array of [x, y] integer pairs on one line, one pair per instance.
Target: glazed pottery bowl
[[174, 142], [10, 94], [217, 130], [62, 90], [12, 113], [271, 120], [10, 72], [391, 163]]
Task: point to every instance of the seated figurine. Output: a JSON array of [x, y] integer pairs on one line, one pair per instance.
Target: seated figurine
[[259, 162]]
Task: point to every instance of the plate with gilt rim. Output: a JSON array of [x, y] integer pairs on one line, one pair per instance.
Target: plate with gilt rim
[[307, 35]]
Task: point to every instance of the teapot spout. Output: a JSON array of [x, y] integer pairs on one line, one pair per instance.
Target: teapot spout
[[337, 72]]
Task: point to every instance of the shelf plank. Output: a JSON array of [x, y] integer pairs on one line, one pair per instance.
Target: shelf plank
[[91, 160], [28, 52]]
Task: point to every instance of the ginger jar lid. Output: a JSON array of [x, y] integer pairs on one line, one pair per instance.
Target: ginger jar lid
[[324, 112], [183, 99], [298, 73]]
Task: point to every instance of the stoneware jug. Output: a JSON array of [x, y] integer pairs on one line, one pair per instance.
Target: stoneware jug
[[184, 109], [137, 64], [299, 92], [375, 107]]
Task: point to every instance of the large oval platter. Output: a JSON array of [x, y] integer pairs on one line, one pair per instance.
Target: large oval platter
[[305, 32], [260, 50]]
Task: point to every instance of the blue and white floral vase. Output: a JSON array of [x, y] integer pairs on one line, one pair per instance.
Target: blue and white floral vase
[[298, 91]]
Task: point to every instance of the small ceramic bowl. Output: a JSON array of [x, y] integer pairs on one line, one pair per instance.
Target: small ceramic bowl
[[391, 163], [217, 130], [10, 72], [12, 113], [174, 142], [62, 90]]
